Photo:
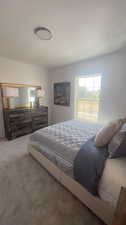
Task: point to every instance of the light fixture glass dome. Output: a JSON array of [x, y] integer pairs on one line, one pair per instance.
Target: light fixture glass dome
[[43, 33]]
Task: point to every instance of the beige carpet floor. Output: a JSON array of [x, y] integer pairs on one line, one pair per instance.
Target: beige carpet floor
[[30, 196]]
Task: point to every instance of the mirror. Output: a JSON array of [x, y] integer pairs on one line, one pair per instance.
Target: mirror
[[20, 96]]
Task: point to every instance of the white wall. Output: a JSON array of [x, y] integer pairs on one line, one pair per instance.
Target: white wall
[[113, 94], [12, 71]]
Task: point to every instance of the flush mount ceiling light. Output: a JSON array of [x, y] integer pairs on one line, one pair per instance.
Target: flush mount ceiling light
[[43, 33]]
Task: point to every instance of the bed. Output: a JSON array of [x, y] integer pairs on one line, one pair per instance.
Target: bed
[[56, 147]]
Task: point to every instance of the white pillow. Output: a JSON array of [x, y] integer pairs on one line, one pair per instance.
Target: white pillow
[[105, 134]]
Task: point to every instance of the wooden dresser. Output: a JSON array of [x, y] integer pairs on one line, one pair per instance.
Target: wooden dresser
[[19, 122]]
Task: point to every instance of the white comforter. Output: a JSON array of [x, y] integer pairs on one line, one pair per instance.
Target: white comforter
[[113, 178]]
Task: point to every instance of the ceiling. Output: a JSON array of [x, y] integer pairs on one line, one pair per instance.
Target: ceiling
[[81, 29]]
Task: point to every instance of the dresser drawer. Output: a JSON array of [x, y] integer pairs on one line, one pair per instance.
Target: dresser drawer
[[39, 126]]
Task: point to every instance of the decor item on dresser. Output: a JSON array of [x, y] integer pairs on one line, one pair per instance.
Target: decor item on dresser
[[23, 112], [40, 95], [62, 93], [11, 93]]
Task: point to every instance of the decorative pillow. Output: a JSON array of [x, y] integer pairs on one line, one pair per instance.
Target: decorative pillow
[[117, 146], [104, 136]]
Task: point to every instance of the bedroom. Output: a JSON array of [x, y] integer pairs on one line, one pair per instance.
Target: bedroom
[[71, 54]]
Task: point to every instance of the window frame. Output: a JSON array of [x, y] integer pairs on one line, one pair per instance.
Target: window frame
[[76, 93]]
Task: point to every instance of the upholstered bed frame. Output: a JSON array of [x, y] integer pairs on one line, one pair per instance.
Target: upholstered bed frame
[[101, 208]]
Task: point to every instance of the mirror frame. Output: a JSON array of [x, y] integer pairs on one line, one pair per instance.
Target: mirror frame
[[4, 98]]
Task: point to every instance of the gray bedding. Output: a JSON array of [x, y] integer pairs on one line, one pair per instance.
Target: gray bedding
[[60, 143], [89, 165]]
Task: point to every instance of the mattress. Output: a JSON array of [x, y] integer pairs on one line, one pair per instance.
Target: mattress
[[61, 142]]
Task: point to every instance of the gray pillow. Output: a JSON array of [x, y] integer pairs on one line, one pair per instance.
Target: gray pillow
[[117, 146]]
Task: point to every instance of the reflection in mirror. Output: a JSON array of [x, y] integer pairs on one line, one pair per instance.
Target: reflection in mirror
[[20, 96]]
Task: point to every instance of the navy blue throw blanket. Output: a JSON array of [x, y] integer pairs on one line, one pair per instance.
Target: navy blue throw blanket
[[89, 165]]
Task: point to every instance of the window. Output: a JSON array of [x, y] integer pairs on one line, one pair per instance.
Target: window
[[88, 97]]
